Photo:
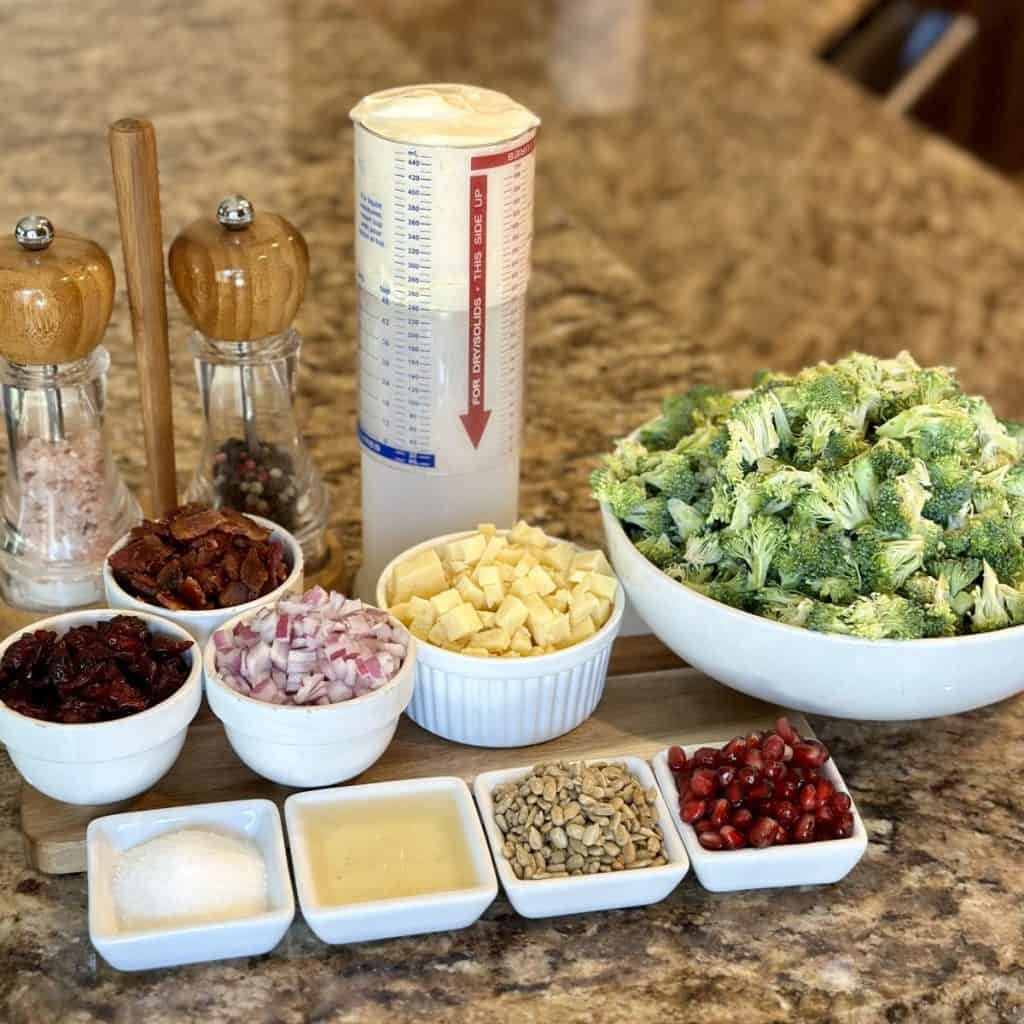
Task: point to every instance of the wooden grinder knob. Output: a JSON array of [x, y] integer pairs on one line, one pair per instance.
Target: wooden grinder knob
[[240, 275], [56, 293]]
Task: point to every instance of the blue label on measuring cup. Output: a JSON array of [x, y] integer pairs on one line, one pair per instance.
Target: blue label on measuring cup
[[386, 451]]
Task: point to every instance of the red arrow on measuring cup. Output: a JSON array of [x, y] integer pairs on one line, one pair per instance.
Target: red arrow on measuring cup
[[474, 420]]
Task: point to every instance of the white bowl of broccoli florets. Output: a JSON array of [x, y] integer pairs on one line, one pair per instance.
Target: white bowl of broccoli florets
[[846, 541]]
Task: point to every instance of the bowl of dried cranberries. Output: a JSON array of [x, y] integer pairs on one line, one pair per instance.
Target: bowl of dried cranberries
[[760, 811], [95, 705], [200, 567]]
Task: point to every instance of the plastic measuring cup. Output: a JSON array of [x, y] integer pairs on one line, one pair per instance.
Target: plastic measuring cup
[[444, 223]]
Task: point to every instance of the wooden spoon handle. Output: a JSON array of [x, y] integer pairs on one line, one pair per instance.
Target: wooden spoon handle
[[137, 186]]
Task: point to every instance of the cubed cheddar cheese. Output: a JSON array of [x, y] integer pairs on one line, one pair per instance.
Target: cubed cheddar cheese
[[423, 575], [514, 594], [446, 600], [460, 621]]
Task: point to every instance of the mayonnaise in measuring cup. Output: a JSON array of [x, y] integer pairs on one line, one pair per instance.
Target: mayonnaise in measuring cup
[[444, 223]]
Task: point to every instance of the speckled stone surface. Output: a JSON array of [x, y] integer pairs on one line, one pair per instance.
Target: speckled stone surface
[[751, 208]]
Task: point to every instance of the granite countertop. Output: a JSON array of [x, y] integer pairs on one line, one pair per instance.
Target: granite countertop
[[742, 205]]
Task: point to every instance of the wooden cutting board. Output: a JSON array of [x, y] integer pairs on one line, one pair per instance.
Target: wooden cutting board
[[651, 701]]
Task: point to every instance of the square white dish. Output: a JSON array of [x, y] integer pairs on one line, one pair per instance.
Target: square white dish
[[407, 915], [820, 863], [136, 950], [580, 894]]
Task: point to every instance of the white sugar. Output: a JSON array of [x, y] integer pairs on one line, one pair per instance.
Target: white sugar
[[193, 876]]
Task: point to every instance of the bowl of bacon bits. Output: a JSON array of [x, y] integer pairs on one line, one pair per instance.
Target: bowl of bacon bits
[[95, 705], [311, 687], [761, 811], [201, 566]]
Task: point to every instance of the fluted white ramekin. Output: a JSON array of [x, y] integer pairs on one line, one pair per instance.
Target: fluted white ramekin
[[505, 702]]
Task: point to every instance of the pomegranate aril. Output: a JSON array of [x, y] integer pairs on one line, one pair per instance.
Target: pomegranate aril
[[783, 836], [703, 782], [702, 826], [726, 774], [754, 740], [759, 807], [803, 830], [676, 758], [741, 818], [787, 753], [706, 757], [773, 747], [775, 770], [825, 815], [808, 798], [812, 775], [733, 751], [825, 790], [785, 789], [762, 832], [762, 790], [692, 810], [844, 826], [783, 812], [711, 840], [748, 775], [786, 730], [734, 793], [754, 758], [719, 815], [841, 803], [809, 754], [732, 838]]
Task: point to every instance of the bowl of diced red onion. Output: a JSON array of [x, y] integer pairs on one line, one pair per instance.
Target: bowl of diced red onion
[[311, 687]]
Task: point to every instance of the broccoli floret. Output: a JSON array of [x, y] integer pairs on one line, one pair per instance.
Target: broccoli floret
[[686, 518], [756, 546], [680, 415], [621, 496], [934, 431], [996, 605], [826, 441], [890, 459], [818, 563], [651, 516], [842, 498], [951, 488], [998, 445], [1014, 481], [992, 538], [754, 431], [691, 576], [958, 573], [702, 550], [886, 564], [673, 477], [876, 617], [659, 550], [900, 501], [784, 606]]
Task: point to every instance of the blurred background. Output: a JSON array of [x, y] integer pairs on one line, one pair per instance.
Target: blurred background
[[720, 186]]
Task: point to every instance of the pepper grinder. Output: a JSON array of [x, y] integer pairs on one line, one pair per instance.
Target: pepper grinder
[[240, 277], [64, 502]]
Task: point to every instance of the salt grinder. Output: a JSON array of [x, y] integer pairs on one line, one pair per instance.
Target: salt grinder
[[64, 502], [240, 277]]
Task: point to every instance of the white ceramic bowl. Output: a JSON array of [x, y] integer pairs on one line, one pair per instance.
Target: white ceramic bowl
[[506, 702], [101, 762], [202, 623], [306, 746], [137, 950], [580, 894], [822, 673], [795, 864], [388, 918]]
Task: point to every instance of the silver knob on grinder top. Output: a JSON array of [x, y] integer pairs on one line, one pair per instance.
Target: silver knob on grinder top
[[235, 212], [33, 232]]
